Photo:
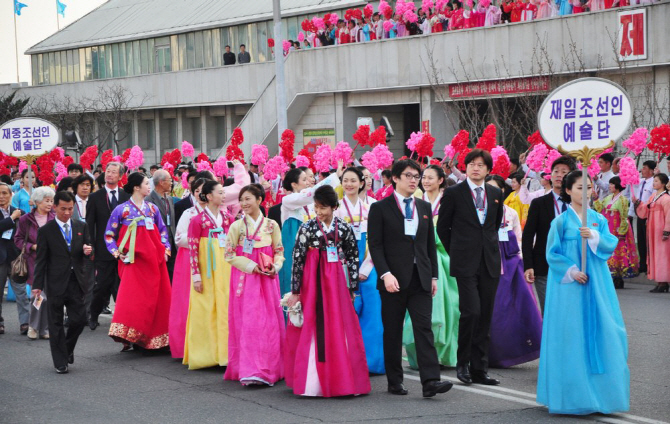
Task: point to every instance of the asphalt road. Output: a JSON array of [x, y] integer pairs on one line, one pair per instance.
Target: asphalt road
[[106, 386]]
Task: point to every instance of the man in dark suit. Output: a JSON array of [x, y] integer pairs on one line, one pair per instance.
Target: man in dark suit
[[542, 211], [186, 202], [9, 252], [98, 209], [160, 197], [274, 213], [63, 248], [402, 245], [468, 223]]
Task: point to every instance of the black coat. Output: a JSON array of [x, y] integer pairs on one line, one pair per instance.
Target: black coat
[[180, 207], [392, 251], [8, 250], [55, 262], [274, 213], [535, 233], [98, 210], [463, 236]]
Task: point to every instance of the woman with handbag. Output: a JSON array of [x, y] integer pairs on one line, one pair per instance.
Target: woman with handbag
[[26, 241], [256, 333]]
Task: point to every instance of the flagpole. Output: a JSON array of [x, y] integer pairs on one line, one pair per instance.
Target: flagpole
[[16, 46]]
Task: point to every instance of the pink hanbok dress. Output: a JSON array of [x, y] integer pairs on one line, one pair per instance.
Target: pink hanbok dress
[[656, 211]]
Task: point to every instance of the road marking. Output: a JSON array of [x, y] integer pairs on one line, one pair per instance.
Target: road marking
[[526, 398]]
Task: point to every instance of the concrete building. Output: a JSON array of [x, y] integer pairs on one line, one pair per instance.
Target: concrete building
[[166, 60]]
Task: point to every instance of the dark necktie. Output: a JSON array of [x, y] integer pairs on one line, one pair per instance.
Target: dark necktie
[[67, 234], [564, 207], [115, 202], [479, 200], [642, 189], [408, 209]]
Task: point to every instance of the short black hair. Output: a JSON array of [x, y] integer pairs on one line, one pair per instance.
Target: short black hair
[[80, 180], [154, 167], [617, 183], [564, 160], [6, 179], [400, 166], [326, 196], [204, 174], [515, 161], [651, 164], [607, 157], [242, 45], [64, 184], [64, 196], [134, 180], [75, 167], [227, 45], [386, 173], [480, 153], [568, 181], [255, 190], [663, 178]]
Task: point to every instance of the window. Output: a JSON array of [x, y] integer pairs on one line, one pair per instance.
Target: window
[[225, 41], [217, 49], [242, 38], [94, 63], [57, 73], [190, 50], [82, 65], [102, 67], [181, 39], [116, 71], [150, 56], [45, 68], [261, 47], [75, 66], [144, 57], [63, 66], [220, 123], [130, 60], [207, 48], [162, 55], [122, 60], [174, 53], [194, 135], [35, 73], [147, 134]]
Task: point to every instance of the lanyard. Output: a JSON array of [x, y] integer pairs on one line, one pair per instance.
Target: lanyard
[[257, 229], [436, 209], [403, 212], [79, 209], [475, 199], [360, 212], [324, 231], [504, 222], [68, 236], [558, 211], [307, 213]]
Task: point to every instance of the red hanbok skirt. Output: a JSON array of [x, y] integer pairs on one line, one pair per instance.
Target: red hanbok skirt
[[142, 306], [326, 358]]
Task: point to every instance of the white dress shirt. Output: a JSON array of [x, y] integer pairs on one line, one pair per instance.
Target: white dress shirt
[[640, 193], [61, 224], [559, 202], [81, 206], [473, 186]]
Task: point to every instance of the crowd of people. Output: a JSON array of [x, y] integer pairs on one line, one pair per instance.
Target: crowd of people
[[321, 279], [359, 26]]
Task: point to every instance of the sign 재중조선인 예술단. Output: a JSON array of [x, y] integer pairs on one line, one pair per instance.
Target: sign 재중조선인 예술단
[[28, 137]]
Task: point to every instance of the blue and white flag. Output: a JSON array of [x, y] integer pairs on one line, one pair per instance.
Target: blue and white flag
[[18, 6], [60, 7]]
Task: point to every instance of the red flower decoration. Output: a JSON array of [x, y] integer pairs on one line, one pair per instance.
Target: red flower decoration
[[271, 42], [424, 148], [461, 158], [107, 157], [202, 157], [362, 136], [287, 145], [357, 14], [501, 166], [535, 139], [88, 157], [660, 140], [460, 141], [237, 137], [378, 136], [435, 162], [308, 26], [67, 160], [488, 139], [348, 15], [125, 156], [234, 152]]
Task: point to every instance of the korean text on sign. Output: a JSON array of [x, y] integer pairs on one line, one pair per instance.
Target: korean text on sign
[[587, 118]]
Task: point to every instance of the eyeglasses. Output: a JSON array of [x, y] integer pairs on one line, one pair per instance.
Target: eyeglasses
[[411, 176]]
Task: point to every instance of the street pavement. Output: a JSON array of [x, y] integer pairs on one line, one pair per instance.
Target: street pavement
[[106, 386]]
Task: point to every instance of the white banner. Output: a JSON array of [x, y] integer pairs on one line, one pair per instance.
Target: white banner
[[28, 136]]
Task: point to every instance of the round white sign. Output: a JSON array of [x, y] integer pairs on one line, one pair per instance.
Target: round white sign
[[28, 136], [587, 112]]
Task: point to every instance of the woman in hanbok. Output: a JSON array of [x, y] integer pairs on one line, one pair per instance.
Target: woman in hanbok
[[492, 15], [206, 342], [564, 7], [446, 313], [367, 195], [624, 263], [583, 359], [656, 211], [596, 5], [326, 355], [387, 189], [527, 196], [367, 303], [514, 201], [136, 235], [181, 280], [516, 322], [297, 208], [256, 334]]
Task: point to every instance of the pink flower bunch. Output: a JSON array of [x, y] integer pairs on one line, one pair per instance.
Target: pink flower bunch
[[136, 158], [57, 154], [410, 16], [368, 11], [22, 166], [343, 152], [334, 18], [426, 5], [221, 166], [440, 5], [628, 171], [274, 168], [62, 171], [388, 26], [385, 9], [551, 157], [593, 169], [187, 149], [318, 22], [449, 151], [204, 165], [184, 180], [384, 156], [117, 158], [301, 36], [301, 161], [323, 157], [369, 160], [536, 157], [402, 7], [170, 168], [637, 141], [259, 154], [485, 3], [414, 140], [470, 4], [500, 161], [286, 45]]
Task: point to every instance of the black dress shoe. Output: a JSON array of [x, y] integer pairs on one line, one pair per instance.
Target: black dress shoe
[[463, 374], [106, 311], [398, 389], [93, 325], [481, 377], [434, 387], [70, 358], [62, 370]]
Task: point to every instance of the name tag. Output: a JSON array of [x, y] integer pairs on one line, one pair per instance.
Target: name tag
[[248, 246], [410, 227], [149, 223], [357, 232], [7, 235], [331, 254], [503, 234], [222, 239], [168, 220]]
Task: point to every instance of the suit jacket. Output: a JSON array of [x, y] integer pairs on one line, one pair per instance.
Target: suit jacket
[[98, 211], [55, 262], [181, 206], [390, 247], [465, 239], [534, 239], [157, 200], [274, 213], [8, 250]]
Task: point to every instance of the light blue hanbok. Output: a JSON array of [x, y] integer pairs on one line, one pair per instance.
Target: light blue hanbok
[[564, 7], [583, 358]]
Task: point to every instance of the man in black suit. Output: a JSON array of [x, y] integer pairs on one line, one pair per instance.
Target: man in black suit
[[63, 248], [542, 211], [402, 245], [274, 213], [186, 202], [9, 252], [468, 223], [98, 209], [160, 197]]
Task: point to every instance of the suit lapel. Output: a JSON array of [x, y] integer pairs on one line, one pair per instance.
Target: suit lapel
[[492, 203], [59, 233], [467, 195]]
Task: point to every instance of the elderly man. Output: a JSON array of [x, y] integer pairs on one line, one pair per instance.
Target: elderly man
[[161, 198]]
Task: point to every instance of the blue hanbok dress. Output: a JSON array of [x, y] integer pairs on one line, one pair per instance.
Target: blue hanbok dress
[[564, 7], [584, 352]]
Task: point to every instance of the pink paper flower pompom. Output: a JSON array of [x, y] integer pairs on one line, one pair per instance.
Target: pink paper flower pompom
[[204, 165], [334, 18], [388, 26], [301, 36], [117, 158], [184, 180], [343, 152], [369, 160], [170, 168], [593, 169], [61, 170], [318, 22], [628, 172], [414, 140], [136, 158], [536, 157], [410, 16], [274, 168], [301, 161], [22, 166], [449, 151], [323, 157], [485, 3], [384, 156], [426, 5], [187, 149], [286, 45], [637, 141], [259, 154], [551, 157], [221, 167]]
